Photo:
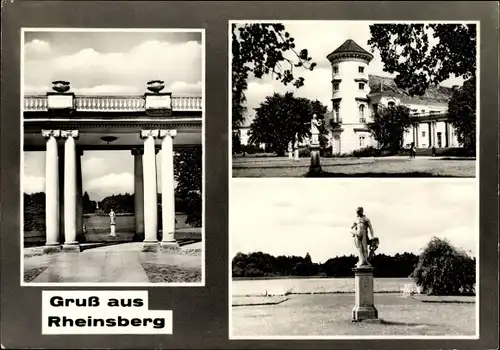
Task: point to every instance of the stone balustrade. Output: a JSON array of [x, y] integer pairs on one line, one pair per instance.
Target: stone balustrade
[[39, 103]]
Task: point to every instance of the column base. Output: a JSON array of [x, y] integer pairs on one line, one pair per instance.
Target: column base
[[71, 248], [150, 246], [361, 313], [51, 248], [169, 245]]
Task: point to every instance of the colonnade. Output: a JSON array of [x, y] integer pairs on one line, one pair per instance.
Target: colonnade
[[145, 189]]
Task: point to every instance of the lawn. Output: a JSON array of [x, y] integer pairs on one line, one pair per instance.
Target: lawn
[[158, 273], [252, 166], [330, 315]]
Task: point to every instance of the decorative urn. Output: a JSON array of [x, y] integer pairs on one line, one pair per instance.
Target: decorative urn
[[60, 86], [156, 85]]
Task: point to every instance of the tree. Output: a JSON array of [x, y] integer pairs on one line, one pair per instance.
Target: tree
[[462, 113], [188, 174], [281, 117], [425, 54], [88, 205], [444, 270], [259, 49], [389, 126]]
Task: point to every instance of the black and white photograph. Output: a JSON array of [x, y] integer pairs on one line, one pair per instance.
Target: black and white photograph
[[353, 258], [354, 98], [112, 157]]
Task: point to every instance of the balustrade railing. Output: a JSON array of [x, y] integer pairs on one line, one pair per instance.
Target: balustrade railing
[[113, 103]]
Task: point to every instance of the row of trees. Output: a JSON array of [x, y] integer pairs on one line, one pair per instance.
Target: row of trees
[[441, 269], [405, 49], [265, 265]]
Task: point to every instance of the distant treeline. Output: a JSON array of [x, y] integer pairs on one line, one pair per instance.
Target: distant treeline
[[265, 265]]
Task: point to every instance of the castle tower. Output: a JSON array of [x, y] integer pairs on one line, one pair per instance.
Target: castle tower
[[350, 88]]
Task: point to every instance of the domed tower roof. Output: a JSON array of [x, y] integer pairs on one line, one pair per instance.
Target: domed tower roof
[[349, 49]]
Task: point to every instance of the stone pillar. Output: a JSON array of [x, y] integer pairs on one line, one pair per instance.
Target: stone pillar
[[70, 192], [60, 191], [315, 167], [138, 194], [150, 191], [446, 134], [364, 308], [80, 235], [51, 192], [429, 124], [168, 188], [417, 130]]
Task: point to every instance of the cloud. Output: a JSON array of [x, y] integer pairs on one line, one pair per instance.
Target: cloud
[[91, 71], [33, 184], [36, 47], [111, 184], [295, 217]]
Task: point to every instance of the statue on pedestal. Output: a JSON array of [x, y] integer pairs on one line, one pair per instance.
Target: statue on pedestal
[[359, 231], [112, 222], [315, 124]]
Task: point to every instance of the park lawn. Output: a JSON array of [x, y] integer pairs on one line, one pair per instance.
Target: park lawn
[[158, 273], [354, 167], [330, 315]]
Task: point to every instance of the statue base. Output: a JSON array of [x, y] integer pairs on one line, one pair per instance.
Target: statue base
[[113, 232], [363, 307], [315, 167]]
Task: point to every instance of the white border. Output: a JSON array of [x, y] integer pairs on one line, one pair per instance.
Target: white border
[[21, 171], [375, 180]]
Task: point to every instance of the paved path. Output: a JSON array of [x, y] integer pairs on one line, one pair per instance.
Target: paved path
[[119, 263]]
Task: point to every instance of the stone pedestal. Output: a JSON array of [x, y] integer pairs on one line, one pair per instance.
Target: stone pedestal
[[113, 230], [363, 307], [315, 167]]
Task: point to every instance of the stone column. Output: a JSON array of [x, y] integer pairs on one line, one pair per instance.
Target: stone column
[[417, 130], [51, 192], [364, 308], [80, 235], [168, 187], [429, 124], [60, 191], [446, 133], [70, 192], [138, 194], [150, 191]]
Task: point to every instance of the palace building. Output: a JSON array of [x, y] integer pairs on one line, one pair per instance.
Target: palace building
[[356, 95]]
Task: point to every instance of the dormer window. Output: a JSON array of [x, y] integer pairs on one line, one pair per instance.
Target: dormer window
[[335, 69], [361, 86], [361, 69]]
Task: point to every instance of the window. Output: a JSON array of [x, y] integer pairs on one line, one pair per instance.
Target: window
[[361, 86], [375, 107], [362, 114], [335, 69], [361, 141], [335, 86], [423, 133], [336, 110], [361, 69]]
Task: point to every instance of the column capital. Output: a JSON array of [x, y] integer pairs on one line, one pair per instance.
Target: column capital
[[137, 151], [49, 133], [70, 133], [147, 133], [165, 133]]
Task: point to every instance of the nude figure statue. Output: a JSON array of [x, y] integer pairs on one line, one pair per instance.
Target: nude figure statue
[[359, 231]]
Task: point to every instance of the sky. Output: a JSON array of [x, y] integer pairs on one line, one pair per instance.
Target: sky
[[320, 38], [299, 216], [98, 63]]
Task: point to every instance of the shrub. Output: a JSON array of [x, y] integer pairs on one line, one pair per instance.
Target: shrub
[[369, 151], [304, 152], [444, 270], [251, 149]]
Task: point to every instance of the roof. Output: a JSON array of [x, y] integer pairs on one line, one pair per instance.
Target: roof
[[387, 87], [350, 46]]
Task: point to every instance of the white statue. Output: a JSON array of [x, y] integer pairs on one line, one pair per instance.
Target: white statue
[[315, 123], [112, 223], [359, 231]]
